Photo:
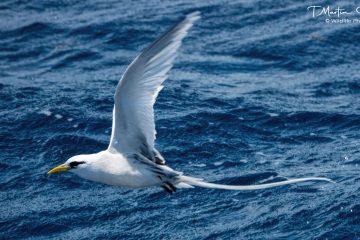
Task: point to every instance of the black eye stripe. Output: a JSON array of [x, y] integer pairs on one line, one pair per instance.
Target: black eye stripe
[[74, 164]]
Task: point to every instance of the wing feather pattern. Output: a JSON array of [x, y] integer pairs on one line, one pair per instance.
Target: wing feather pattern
[[133, 128]]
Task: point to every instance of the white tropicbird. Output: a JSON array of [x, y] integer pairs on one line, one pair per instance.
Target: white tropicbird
[[131, 159]]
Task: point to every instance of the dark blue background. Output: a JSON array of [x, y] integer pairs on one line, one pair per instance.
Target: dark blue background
[[260, 92]]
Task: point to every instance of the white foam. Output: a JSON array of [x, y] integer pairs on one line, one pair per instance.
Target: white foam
[[199, 165], [218, 163], [260, 153], [46, 112], [273, 114], [243, 161], [58, 116]]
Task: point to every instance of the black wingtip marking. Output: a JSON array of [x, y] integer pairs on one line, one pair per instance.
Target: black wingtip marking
[[170, 188], [167, 189], [173, 188]]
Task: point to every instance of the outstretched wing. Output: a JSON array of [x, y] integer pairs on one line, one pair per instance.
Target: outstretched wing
[[133, 128]]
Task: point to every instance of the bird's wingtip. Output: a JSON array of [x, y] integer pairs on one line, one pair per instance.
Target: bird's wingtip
[[194, 15]]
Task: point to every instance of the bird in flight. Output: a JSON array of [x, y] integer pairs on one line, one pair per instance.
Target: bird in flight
[[131, 159]]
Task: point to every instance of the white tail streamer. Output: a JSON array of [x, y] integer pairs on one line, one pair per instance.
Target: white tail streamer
[[200, 183]]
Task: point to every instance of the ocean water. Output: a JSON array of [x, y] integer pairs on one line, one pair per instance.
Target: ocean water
[[261, 91]]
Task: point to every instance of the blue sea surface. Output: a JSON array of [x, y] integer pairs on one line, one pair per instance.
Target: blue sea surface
[[260, 91]]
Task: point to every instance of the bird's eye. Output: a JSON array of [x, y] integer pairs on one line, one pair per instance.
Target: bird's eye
[[74, 164]]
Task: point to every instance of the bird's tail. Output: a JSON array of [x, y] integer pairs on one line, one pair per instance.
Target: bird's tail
[[187, 181]]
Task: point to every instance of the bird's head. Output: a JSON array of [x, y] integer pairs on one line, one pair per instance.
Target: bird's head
[[73, 164]]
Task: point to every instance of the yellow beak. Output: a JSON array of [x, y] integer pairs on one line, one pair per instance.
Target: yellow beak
[[60, 168]]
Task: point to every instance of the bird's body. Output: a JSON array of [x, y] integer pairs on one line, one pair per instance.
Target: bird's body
[[116, 169], [131, 159]]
